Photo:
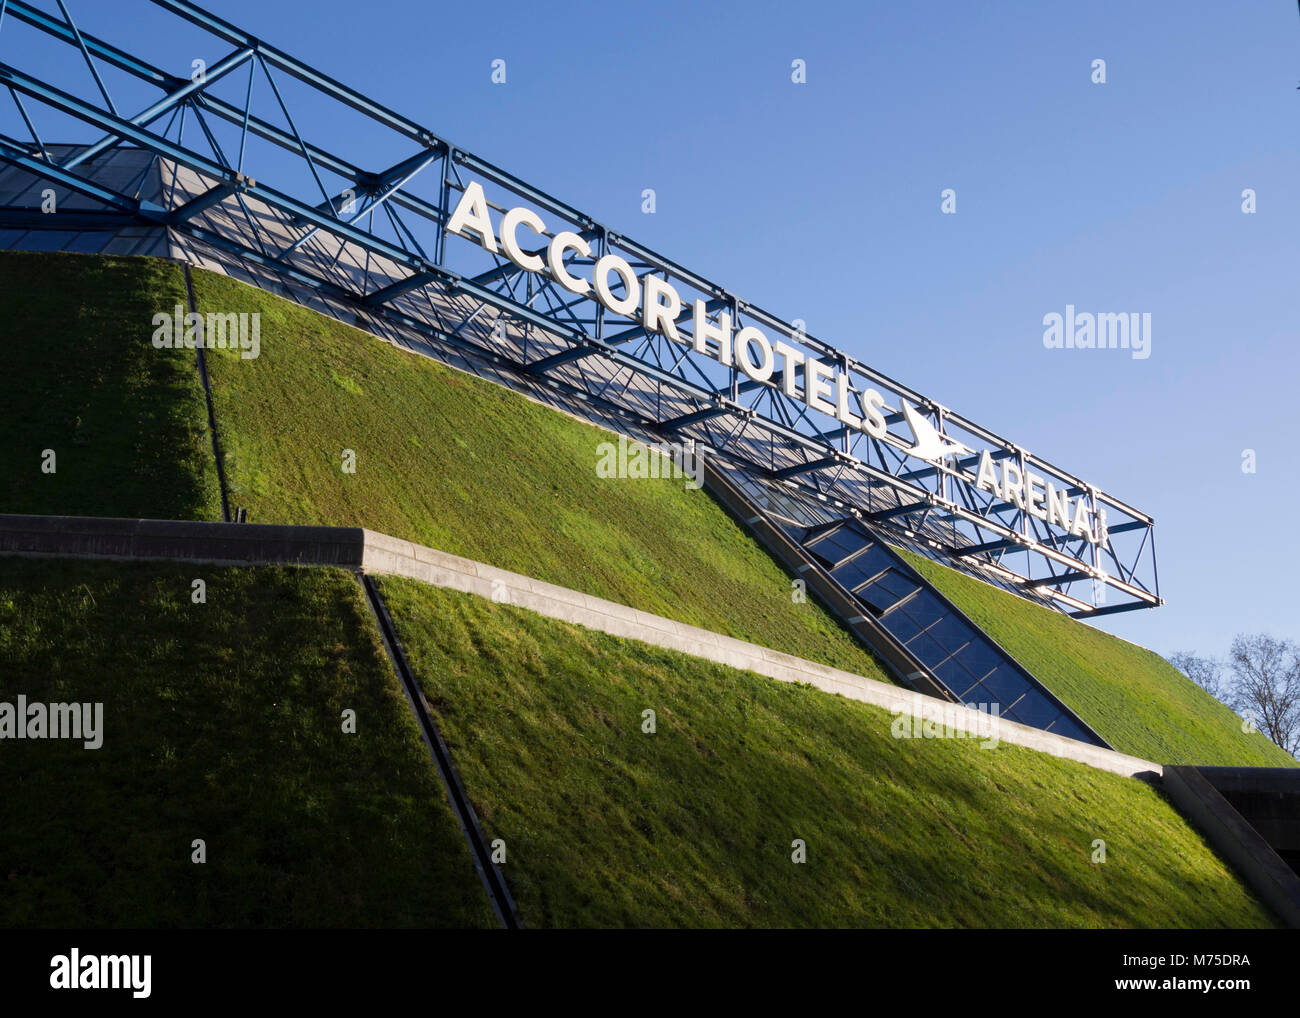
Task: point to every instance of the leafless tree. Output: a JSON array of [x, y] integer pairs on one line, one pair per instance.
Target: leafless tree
[[1260, 681], [1266, 686], [1206, 672]]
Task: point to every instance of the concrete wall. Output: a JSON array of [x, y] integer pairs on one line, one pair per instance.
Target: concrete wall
[[246, 544], [1269, 799], [1235, 839]]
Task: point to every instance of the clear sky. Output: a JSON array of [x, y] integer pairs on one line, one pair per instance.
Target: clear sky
[[822, 201]]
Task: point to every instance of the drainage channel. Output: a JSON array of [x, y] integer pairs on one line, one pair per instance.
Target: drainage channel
[[493, 881], [207, 393]]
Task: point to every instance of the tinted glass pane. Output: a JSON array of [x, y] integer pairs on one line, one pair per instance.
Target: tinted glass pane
[[854, 573], [1035, 709], [952, 633], [900, 625], [979, 657], [837, 545], [89, 241], [927, 650], [1064, 726], [877, 597], [956, 662], [1006, 684], [48, 240], [924, 609], [955, 677], [875, 559], [976, 694], [896, 583]]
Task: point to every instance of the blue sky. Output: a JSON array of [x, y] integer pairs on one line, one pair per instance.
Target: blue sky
[[821, 201]]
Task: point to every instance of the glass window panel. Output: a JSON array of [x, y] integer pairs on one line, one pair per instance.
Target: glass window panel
[[887, 589], [969, 676], [1007, 684], [852, 575], [974, 693], [900, 625], [89, 241], [929, 651], [877, 598], [1035, 709], [1064, 726], [978, 695], [837, 545], [48, 240], [925, 609], [955, 677], [979, 657], [952, 633], [874, 559], [897, 584]]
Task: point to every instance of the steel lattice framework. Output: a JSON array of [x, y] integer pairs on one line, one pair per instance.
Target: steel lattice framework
[[378, 239]]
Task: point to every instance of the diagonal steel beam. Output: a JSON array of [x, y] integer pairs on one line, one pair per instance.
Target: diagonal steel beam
[[168, 102], [412, 166], [90, 63], [277, 57]]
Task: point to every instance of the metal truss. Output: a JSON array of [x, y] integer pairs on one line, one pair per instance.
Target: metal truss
[[240, 176]]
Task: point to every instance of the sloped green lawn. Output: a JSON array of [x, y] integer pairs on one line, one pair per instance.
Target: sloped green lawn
[[127, 423], [473, 469], [222, 722], [463, 465], [608, 826]]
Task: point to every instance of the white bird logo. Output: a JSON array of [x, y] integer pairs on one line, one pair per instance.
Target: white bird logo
[[930, 445]]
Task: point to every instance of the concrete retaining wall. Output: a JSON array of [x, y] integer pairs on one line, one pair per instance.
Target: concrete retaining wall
[[1234, 839], [1269, 800], [189, 541]]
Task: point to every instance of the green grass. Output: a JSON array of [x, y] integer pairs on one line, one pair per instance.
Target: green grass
[[127, 422], [473, 469], [466, 466], [607, 826], [1135, 699], [222, 722]]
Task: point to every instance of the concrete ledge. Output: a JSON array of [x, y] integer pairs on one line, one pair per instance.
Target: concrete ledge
[[242, 544], [371, 552], [1234, 839]]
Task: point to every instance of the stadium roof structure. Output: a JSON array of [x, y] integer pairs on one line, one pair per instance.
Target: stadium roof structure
[[211, 166]]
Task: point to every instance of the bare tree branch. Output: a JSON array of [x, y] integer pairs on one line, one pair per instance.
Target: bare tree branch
[[1266, 674], [1206, 672]]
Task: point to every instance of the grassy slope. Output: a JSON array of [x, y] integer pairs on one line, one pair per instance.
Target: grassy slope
[[607, 826], [1134, 698], [473, 469], [222, 722], [128, 423], [462, 465]]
